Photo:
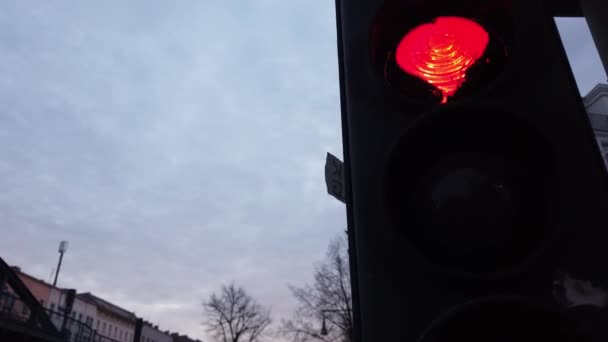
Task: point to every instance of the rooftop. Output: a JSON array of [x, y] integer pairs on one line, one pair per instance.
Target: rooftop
[[596, 105], [600, 90], [183, 338], [18, 271], [108, 307]]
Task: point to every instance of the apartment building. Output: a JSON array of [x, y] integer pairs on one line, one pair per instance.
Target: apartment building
[[596, 104], [53, 299], [149, 332], [112, 321]]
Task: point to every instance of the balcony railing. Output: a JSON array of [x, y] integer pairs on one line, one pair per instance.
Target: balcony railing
[[14, 310]]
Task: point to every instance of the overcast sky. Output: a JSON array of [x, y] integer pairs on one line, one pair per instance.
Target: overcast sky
[[176, 146]]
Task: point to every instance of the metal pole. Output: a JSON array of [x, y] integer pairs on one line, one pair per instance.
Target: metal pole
[[58, 268], [69, 304], [596, 14]]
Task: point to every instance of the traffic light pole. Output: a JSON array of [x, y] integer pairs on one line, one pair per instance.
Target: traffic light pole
[[348, 196], [596, 12]]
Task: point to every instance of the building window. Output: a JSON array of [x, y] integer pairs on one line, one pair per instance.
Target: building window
[[80, 317], [52, 306], [97, 327], [104, 327], [120, 334], [115, 332]]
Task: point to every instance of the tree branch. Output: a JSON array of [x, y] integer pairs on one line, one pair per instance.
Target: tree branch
[[235, 316]]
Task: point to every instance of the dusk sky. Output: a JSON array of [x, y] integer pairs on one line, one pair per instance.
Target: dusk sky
[[177, 146]]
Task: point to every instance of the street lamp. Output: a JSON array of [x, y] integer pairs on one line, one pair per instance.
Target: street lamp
[[324, 331], [323, 327]]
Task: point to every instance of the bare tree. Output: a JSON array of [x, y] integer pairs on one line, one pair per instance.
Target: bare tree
[[234, 316], [327, 299]]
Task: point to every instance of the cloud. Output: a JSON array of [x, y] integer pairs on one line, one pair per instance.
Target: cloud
[[176, 146]]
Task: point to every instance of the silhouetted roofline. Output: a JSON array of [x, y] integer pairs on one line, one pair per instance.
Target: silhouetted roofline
[[104, 305], [598, 91]]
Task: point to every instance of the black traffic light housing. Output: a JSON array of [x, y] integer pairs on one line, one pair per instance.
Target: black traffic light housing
[[479, 212]]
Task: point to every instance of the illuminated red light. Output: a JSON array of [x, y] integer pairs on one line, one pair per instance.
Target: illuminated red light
[[441, 52]]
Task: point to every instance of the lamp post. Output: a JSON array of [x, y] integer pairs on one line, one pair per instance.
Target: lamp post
[[324, 331]]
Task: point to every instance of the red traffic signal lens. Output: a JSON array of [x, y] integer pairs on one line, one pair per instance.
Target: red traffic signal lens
[[441, 52]]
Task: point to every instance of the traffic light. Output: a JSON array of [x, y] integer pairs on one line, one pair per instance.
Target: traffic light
[[476, 194]]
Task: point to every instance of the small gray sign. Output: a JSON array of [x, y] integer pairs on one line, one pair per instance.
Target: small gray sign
[[334, 177]]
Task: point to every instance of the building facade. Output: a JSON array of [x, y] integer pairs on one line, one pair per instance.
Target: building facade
[[148, 332], [112, 321], [53, 299], [183, 338], [83, 311], [596, 104], [82, 315]]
